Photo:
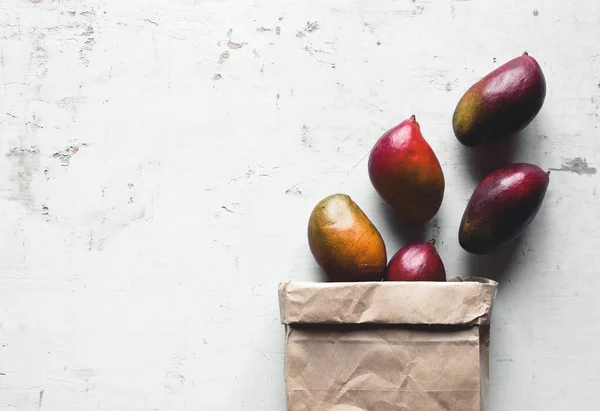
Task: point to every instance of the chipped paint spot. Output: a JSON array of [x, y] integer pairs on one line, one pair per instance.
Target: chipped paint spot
[[576, 165], [88, 31], [235, 46], [311, 27], [85, 50], [224, 56], [65, 155], [536, 13]]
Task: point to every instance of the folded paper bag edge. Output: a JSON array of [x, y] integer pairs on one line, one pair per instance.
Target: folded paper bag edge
[[459, 301]]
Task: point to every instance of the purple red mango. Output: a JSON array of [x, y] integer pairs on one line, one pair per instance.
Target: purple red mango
[[502, 207], [502, 103], [406, 173]]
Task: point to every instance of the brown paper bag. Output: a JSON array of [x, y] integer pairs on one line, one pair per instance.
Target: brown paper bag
[[379, 346]]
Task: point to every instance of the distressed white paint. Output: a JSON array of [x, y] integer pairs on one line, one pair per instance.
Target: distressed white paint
[[162, 137]]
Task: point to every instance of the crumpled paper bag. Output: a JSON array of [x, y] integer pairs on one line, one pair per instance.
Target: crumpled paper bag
[[379, 346]]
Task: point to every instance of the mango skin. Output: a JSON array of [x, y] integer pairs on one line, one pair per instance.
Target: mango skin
[[344, 242], [502, 206], [406, 173], [501, 104]]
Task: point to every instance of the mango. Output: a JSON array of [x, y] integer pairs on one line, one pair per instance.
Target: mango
[[502, 206], [406, 173], [418, 261], [344, 242], [501, 104]]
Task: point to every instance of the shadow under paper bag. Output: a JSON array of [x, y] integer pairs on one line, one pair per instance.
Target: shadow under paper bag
[[387, 346]]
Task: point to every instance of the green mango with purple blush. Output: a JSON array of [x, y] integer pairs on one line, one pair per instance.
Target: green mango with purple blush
[[501, 104]]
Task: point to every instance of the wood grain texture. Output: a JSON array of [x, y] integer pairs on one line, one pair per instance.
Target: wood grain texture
[[160, 160]]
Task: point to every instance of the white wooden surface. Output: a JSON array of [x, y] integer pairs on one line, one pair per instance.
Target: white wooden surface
[[147, 147]]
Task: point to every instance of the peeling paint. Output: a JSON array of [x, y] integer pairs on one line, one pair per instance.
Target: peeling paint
[[65, 155], [235, 46], [224, 56], [576, 165], [311, 27], [88, 31]]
